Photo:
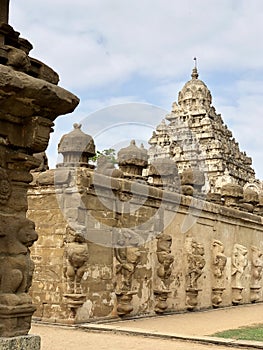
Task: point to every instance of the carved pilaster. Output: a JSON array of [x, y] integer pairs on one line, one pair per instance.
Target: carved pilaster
[[195, 263], [218, 268], [239, 263], [128, 257], [164, 271], [256, 273], [76, 260], [30, 101]]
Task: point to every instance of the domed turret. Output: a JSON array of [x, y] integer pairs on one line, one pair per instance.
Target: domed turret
[[76, 147], [132, 159], [195, 94]]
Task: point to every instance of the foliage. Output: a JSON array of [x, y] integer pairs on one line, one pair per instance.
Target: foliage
[[109, 153], [245, 333]]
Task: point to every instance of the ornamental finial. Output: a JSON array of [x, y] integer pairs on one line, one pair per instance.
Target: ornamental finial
[[194, 74]]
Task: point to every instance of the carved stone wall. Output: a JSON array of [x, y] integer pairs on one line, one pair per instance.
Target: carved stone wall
[[30, 101], [195, 259]]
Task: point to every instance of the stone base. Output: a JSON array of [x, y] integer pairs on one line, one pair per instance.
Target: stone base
[[24, 342], [15, 320]]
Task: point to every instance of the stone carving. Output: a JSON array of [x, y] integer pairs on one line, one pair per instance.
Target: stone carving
[[164, 271], [192, 181], [5, 187], [128, 257], [250, 200], [132, 160], [16, 271], [76, 260], [163, 173], [15, 239], [195, 264], [256, 273], [239, 263], [30, 101], [231, 195], [76, 255], [218, 267], [76, 148], [43, 166], [196, 137]]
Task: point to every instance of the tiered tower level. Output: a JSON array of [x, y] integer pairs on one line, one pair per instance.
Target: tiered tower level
[[196, 137]]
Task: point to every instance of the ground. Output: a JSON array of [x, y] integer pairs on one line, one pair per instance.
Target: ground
[[188, 325]]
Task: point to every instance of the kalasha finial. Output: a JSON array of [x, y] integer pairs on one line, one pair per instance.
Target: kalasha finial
[[4, 11], [194, 74]]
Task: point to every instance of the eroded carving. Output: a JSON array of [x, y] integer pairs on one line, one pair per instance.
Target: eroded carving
[[5, 187], [76, 260], [218, 267], [16, 271], [256, 273], [195, 264], [239, 263], [128, 258], [164, 271]]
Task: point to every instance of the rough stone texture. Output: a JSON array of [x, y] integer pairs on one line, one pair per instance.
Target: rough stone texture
[[29, 103], [132, 160], [194, 261], [196, 137], [29, 342], [127, 242], [76, 148]]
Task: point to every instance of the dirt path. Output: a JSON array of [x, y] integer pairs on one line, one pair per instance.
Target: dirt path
[[188, 324], [201, 323], [56, 338]]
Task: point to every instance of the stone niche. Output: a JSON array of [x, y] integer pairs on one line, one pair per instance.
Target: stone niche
[[30, 101], [112, 247]]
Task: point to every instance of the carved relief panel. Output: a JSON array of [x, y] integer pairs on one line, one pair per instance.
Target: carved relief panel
[[127, 257], [218, 269], [256, 273], [195, 263], [76, 257], [239, 263], [164, 271]]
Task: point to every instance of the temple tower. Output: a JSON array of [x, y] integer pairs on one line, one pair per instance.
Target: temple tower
[[195, 136]]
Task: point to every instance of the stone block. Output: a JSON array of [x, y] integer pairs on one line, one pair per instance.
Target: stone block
[[26, 342]]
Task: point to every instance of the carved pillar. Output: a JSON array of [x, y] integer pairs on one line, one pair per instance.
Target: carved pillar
[[76, 260], [195, 265], [256, 273], [164, 271], [30, 101], [218, 268], [128, 257], [239, 263]]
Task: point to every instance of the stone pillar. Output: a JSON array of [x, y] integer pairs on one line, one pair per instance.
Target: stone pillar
[[30, 100]]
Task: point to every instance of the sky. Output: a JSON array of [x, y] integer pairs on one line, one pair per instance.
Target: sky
[[117, 53]]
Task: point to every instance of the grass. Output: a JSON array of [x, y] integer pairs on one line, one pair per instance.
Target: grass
[[245, 333]]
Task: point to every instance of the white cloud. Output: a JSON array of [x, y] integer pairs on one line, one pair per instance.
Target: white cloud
[[113, 51]]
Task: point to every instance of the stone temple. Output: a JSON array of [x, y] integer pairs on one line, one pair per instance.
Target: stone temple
[[195, 136], [174, 228], [177, 228]]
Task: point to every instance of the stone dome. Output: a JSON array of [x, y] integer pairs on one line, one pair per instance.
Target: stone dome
[[133, 155], [195, 94], [76, 146], [76, 141], [132, 159]]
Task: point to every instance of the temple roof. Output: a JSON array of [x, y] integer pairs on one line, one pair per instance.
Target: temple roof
[[195, 93]]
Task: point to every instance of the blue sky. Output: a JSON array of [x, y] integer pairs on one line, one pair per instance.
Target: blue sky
[[111, 52]]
